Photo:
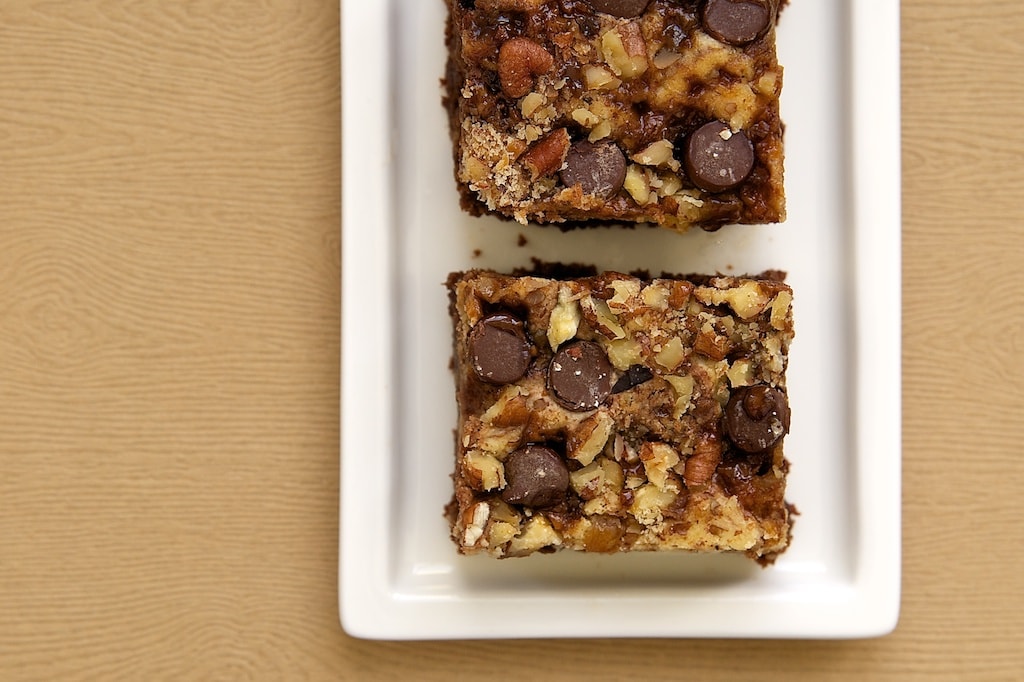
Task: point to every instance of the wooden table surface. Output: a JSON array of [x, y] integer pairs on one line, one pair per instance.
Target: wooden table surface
[[169, 276]]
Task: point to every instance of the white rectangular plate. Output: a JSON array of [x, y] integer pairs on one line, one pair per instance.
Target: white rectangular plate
[[403, 232]]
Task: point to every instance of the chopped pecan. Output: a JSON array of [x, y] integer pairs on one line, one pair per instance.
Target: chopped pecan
[[714, 346], [701, 465], [520, 60], [548, 154]]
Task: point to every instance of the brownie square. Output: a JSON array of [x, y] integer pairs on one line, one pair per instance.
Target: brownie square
[[614, 413], [658, 111]]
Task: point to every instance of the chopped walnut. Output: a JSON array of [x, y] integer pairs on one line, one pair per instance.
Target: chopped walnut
[[587, 481], [589, 439], [477, 520], [500, 532], [531, 103], [671, 354], [565, 319], [625, 291], [660, 153], [748, 299], [780, 309], [658, 459], [637, 186], [510, 409], [649, 504], [741, 373], [600, 131], [683, 387], [599, 78], [585, 117], [624, 51], [624, 353], [600, 316], [537, 533], [655, 296], [484, 470], [604, 495]]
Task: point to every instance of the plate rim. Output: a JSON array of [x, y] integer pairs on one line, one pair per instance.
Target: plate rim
[[368, 606]]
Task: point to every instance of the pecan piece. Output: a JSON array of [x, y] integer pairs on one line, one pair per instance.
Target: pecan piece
[[548, 155], [519, 61], [701, 465], [588, 440], [714, 346]]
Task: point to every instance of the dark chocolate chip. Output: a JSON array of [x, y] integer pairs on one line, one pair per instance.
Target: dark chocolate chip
[[598, 168], [756, 417], [590, 26], [580, 376], [498, 349], [620, 8], [633, 377], [536, 477], [736, 22], [718, 159]]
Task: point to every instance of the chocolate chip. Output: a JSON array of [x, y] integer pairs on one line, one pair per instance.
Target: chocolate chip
[[590, 26], [620, 8], [580, 376], [536, 477], [498, 349], [718, 159], [598, 168], [633, 377], [736, 22], [756, 417]]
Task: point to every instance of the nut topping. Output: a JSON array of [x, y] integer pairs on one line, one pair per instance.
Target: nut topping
[[565, 319], [600, 316], [624, 51], [587, 442], [701, 465], [547, 155], [520, 60]]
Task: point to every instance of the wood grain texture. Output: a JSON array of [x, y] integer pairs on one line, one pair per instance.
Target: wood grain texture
[[169, 269]]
